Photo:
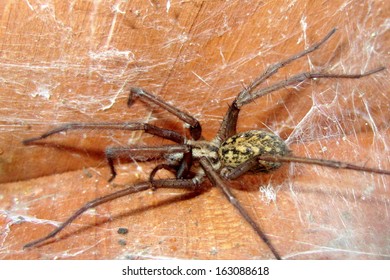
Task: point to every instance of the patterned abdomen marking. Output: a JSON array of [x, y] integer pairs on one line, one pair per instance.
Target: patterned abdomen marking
[[246, 145]]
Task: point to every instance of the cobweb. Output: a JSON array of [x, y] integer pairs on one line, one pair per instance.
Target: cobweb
[[63, 62]]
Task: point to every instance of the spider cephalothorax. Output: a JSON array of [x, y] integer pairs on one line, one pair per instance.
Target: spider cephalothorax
[[228, 156]]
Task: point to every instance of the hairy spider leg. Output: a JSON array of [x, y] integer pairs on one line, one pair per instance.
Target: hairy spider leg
[[299, 78], [271, 70], [131, 126], [218, 181], [195, 130], [181, 171], [141, 154], [241, 169], [229, 123], [195, 127], [249, 164], [112, 153], [169, 167], [189, 184], [323, 162]]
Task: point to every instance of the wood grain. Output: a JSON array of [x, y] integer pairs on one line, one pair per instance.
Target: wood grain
[[62, 63]]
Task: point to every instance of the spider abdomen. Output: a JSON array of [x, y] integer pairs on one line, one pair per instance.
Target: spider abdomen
[[246, 145]]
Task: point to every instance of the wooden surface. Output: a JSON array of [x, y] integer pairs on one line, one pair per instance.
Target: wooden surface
[[62, 63]]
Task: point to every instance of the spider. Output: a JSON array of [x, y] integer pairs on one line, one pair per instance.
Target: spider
[[226, 157]]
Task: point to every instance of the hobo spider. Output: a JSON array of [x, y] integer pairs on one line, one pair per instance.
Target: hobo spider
[[226, 157]]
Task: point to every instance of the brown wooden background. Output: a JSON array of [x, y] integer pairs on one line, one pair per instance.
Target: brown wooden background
[[64, 62]]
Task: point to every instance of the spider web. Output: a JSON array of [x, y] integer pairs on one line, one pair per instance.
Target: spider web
[[63, 62]]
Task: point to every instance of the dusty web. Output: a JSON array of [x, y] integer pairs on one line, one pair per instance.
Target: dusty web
[[63, 62]]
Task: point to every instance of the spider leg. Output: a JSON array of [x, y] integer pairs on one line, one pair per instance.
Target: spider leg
[[229, 123], [181, 171], [249, 164], [131, 126], [189, 184], [185, 165], [91, 204], [228, 126], [322, 162], [195, 127], [299, 78], [218, 181], [141, 153], [273, 69], [240, 170], [170, 167]]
